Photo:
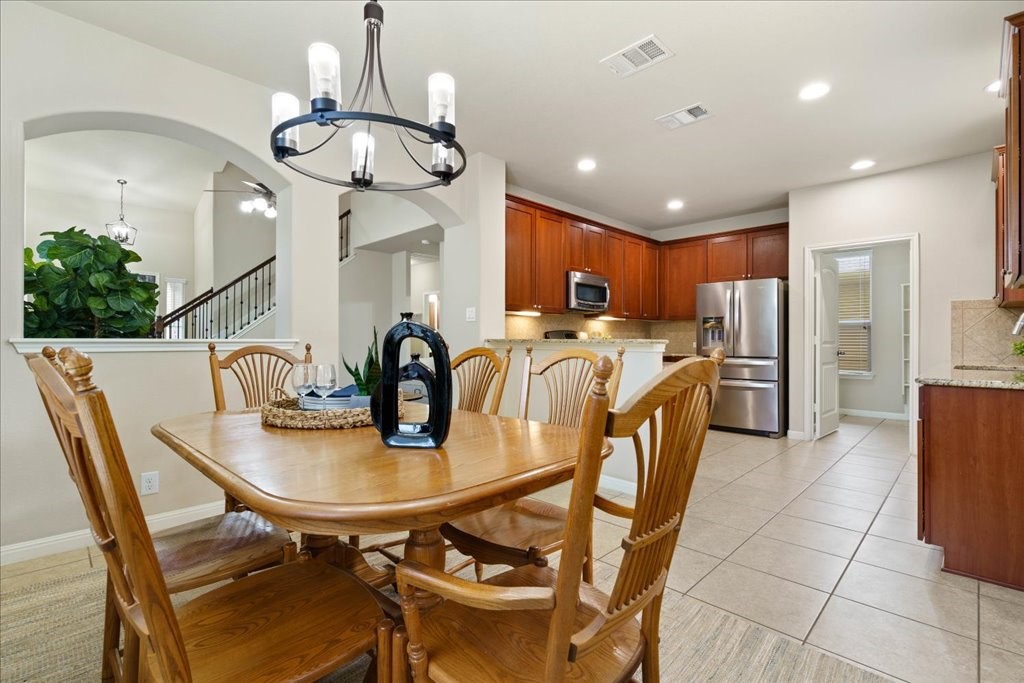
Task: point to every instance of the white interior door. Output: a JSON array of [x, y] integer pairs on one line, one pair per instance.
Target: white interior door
[[826, 348]]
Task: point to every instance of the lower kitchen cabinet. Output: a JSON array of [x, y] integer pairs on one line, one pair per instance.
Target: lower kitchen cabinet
[[970, 465]]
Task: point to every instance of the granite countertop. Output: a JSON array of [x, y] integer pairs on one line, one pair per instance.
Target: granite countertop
[[576, 342], [971, 383], [995, 368]]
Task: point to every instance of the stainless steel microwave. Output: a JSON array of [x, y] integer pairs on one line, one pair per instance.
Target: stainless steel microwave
[[587, 292]]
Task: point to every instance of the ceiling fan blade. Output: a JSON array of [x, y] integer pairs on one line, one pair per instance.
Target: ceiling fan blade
[[258, 187]]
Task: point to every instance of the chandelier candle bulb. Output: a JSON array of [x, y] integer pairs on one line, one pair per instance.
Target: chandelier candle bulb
[[362, 158], [441, 96], [285, 106], [324, 77], [441, 159]]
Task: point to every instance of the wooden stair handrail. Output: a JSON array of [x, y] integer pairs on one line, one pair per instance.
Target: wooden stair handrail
[[162, 321]]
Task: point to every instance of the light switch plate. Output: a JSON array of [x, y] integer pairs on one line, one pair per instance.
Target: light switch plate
[[471, 314]]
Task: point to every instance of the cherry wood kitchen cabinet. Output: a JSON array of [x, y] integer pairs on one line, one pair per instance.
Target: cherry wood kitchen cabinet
[[649, 305], [632, 278], [683, 267], [1011, 240], [614, 256], [757, 253], [971, 478], [534, 259], [585, 248], [1006, 296]]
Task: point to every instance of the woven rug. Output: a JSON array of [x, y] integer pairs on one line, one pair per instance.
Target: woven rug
[[52, 631]]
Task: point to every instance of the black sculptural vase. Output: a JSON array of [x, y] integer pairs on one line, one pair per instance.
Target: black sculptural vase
[[438, 383]]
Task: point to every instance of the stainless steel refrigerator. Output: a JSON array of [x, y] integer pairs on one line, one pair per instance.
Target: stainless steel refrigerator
[[747, 319]]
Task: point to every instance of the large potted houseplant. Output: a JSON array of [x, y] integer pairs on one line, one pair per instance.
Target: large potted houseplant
[[81, 287]]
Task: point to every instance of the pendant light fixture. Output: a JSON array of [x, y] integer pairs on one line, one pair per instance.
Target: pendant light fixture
[[121, 231], [448, 159]]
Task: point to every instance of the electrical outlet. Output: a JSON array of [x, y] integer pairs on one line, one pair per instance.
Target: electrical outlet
[[471, 314], [150, 483]]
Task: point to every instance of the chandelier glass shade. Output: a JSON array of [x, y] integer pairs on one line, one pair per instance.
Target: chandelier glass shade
[[121, 231], [447, 157]]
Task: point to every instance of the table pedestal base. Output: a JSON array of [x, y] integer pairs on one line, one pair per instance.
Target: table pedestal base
[[427, 547], [337, 552]]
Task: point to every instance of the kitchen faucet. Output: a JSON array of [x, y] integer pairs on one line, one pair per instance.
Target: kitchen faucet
[[1019, 325]]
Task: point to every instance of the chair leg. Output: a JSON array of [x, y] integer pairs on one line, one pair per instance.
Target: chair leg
[[588, 562], [131, 663], [478, 568], [650, 665], [353, 541], [111, 635]]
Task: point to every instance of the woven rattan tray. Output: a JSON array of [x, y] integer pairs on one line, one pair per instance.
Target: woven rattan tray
[[285, 412]]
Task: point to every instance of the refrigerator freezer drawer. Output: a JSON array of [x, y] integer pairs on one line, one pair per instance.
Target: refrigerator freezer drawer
[[744, 404], [766, 369]]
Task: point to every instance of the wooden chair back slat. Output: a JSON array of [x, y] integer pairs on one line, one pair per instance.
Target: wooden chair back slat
[[568, 376], [475, 371], [260, 370]]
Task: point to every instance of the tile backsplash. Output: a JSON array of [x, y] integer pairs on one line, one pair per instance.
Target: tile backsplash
[[679, 333], [981, 336]]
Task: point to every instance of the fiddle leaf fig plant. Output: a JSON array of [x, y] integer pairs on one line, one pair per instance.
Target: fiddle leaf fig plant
[[81, 287], [367, 379]]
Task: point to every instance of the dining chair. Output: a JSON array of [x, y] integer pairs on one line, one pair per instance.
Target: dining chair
[[527, 530], [475, 371], [540, 624], [294, 622], [262, 372], [191, 555]]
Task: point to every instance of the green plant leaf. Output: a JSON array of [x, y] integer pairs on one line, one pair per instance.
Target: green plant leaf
[[120, 301], [43, 248], [131, 257], [101, 279], [77, 259]]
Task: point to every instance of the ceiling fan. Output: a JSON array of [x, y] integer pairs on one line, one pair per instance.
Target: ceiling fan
[[264, 199]]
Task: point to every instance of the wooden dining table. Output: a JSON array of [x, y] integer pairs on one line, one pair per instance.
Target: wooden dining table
[[334, 482]]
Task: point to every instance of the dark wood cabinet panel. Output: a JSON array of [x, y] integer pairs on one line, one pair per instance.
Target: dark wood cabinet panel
[[594, 250], [575, 246], [768, 253], [649, 301], [518, 257], [549, 264], [683, 267], [971, 474], [1006, 296], [633, 278], [1013, 237], [614, 255], [727, 258]]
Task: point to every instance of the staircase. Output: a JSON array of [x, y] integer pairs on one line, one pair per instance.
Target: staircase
[[226, 312]]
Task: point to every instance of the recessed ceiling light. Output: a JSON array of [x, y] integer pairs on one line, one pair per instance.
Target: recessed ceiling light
[[586, 164], [861, 164], [675, 204], [813, 91], [994, 87]]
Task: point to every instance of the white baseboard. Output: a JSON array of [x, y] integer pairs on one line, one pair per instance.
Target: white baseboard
[[793, 434], [616, 484], [72, 540], [873, 413]]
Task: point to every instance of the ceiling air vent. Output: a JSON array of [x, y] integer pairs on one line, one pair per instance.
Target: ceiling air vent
[[638, 56], [684, 117]]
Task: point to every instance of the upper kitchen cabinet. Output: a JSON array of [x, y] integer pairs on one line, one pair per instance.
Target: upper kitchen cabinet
[[632, 278], [1006, 296], [649, 308], [534, 267], [683, 267], [614, 255], [758, 253], [1009, 174], [585, 248]]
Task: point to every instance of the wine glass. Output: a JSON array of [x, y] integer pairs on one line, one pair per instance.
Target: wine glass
[[303, 379], [325, 382]]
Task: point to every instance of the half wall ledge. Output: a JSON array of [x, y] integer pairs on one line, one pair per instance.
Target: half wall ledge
[[22, 345]]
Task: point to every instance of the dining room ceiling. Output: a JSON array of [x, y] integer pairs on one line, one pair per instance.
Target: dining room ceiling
[[907, 86]]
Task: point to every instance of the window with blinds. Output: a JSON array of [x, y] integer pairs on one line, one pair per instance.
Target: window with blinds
[[174, 299], [854, 312]]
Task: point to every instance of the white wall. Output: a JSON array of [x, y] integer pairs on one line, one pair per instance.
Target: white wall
[[423, 278], [743, 221], [240, 240], [379, 215], [86, 89], [883, 392], [950, 203], [202, 241], [364, 284], [164, 240]]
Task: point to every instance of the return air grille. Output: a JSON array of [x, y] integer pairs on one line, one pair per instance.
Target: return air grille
[[637, 57]]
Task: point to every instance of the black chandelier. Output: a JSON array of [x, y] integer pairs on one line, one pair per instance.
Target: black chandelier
[[326, 111]]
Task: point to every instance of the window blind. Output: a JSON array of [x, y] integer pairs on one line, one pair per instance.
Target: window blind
[[175, 298], [855, 312]]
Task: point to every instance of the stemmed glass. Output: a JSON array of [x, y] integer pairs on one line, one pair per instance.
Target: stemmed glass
[[325, 382], [303, 379]]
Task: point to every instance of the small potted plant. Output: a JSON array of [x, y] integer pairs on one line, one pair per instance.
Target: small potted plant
[[367, 378]]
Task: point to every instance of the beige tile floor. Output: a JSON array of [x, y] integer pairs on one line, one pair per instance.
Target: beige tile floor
[[816, 541]]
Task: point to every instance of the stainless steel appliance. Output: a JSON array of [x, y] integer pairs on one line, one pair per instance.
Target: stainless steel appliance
[[587, 292], [561, 334], [747, 319]]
